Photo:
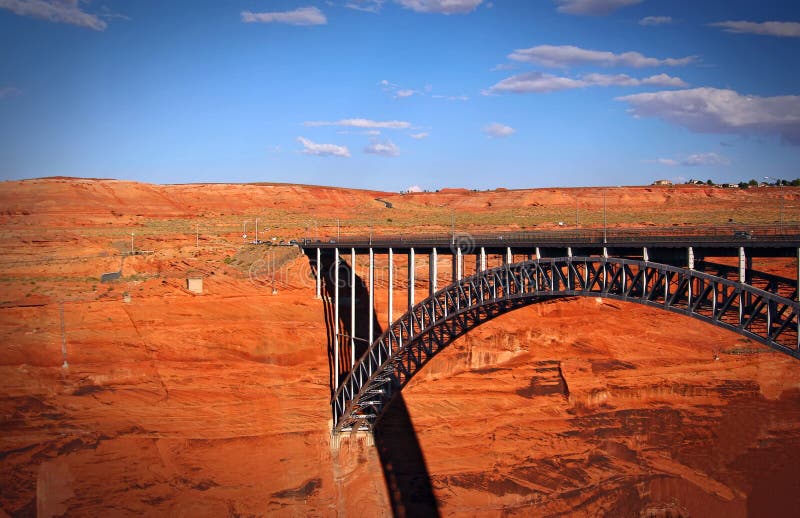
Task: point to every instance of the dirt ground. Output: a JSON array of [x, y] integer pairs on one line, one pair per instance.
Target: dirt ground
[[169, 402]]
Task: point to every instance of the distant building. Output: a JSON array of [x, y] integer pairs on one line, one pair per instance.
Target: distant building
[[662, 182], [194, 283]]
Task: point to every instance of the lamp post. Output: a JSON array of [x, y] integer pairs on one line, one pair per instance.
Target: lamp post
[[780, 201], [452, 226]]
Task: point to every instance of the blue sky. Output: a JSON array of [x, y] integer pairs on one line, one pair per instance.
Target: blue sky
[[399, 93]]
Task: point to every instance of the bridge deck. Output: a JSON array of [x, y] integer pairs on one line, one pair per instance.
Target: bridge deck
[[761, 241]]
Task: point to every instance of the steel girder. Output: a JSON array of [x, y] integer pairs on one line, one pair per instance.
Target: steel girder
[[429, 326]]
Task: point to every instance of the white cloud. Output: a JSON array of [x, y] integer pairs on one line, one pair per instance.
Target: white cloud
[[362, 123], [397, 91], [538, 82], [626, 80], [369, 6], [655, 20], [535, 82], [441, 6], [695, 160], [9, 91], [497, 130], [60, 11], [300, 16], [593, 7], [312, 148], [566, 55], [419, 136], [414, 188], [713, 110], [385, 148], [783, 29], [451, 97]]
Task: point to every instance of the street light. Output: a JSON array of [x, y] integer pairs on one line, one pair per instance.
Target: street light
[[780, 201], [452, 226]]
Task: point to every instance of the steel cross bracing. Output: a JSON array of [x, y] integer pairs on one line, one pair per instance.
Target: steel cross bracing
[[395, 357]]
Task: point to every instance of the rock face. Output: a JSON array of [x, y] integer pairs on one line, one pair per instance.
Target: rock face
[[216, 404]]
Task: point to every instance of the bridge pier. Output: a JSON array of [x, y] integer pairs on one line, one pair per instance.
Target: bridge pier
[[690, 258], [645, 256]]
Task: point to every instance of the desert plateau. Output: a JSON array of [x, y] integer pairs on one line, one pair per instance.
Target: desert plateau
[[169, 402]]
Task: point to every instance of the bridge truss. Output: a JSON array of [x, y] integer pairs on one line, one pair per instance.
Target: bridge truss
[[430, 325]]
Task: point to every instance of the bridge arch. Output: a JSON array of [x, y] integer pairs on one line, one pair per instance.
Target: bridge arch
[[432, 324]]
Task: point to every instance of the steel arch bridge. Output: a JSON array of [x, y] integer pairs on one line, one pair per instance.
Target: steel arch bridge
[[430, 325]]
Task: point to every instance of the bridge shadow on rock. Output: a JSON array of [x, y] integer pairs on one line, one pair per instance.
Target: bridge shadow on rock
[[405, 472]]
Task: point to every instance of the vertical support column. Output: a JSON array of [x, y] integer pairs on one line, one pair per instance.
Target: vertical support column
[[460, 264], [336, 318], [538, 254], [483, 259], [319, 273], [569, 251], [605, 271], [742, 264], [352, 308], [645, 258], [432, 272], [390, 316], [690, 258], [509, 257], [742, 278], [371, 295], [410, 278]]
